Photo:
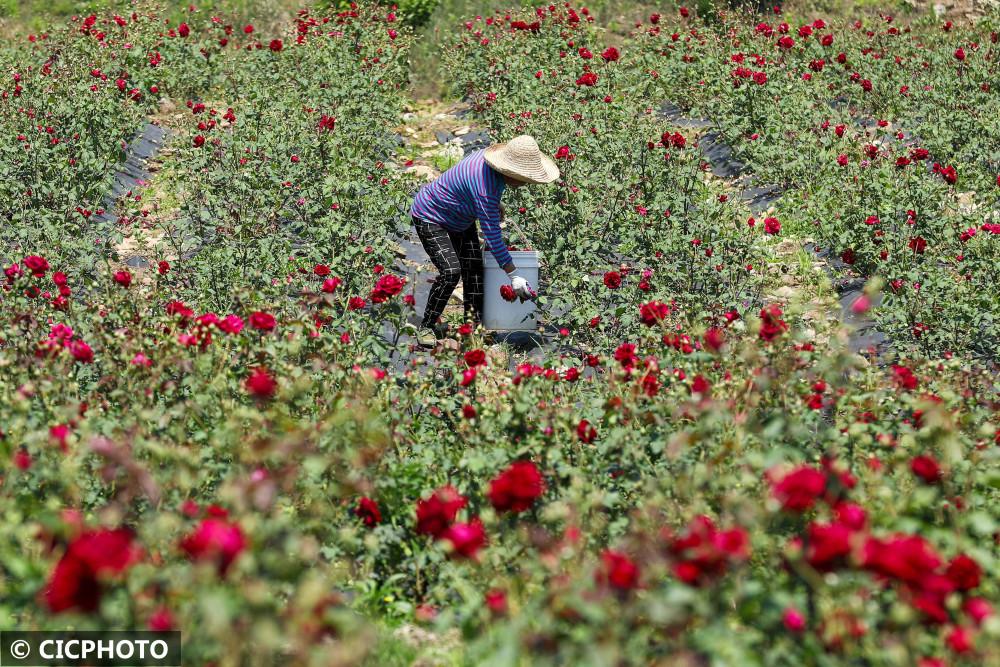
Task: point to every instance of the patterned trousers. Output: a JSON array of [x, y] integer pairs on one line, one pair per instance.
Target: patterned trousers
[[456, 256]]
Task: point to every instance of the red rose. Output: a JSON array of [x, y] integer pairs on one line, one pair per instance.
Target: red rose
[[908, 558], [475, 358], [516, 488], [123, 278], [161, 620], [276, 45], [215, 540], [702, 552], [771, 324], [917, 244], [793, 620], [585, 432], [964, 573], [861, 305], [183, 30], [231, 324], [587, 79], [851, 515], [262, 321], [926, 468], [37, 265], [330, 285], [367, 510], [386, 287], [977, 609], [949, 174], [828, 545], [700, 385], [610, 54], [496, 602], [328, 123], [198, 141], [676, 139], [60, 434], [13, 272], [625, 355], [466, 539], [260, 384], [81, 352], [178, 308], [507, 293], [771, 226], [653, 313], [960, 640], [904, 378], [714, 339], [798, 490], [22, 459], [612, 280], [436, 513], [618, 571], [76, 580]]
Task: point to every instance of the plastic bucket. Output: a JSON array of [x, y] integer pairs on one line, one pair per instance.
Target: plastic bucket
[[500, 315]]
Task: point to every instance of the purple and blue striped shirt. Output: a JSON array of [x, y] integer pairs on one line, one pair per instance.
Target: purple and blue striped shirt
[[469, 190]]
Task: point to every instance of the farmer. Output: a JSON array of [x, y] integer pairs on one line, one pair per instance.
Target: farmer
[[444, 214]]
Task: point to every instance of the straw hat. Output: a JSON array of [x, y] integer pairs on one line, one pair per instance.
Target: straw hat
[[520, 158]]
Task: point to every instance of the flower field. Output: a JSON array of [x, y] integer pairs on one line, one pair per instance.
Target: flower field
[[214, 418]]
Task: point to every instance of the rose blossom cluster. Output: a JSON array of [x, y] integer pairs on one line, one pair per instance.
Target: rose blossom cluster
[[905, 561], [35, 268], [515, 490]]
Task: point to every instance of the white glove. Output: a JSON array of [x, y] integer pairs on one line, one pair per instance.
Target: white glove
[[522, 288]]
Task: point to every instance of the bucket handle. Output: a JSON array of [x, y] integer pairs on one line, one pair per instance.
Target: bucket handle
[[518, 228]]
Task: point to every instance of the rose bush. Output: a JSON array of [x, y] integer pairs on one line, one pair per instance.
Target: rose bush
[[874, 125]]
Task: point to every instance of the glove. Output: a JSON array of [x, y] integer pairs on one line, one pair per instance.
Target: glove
[[522, 288]]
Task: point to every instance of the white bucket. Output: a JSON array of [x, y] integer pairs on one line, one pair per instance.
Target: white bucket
[[500, 315]]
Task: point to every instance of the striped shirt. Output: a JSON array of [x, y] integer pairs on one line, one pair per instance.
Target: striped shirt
[[469, 190]]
